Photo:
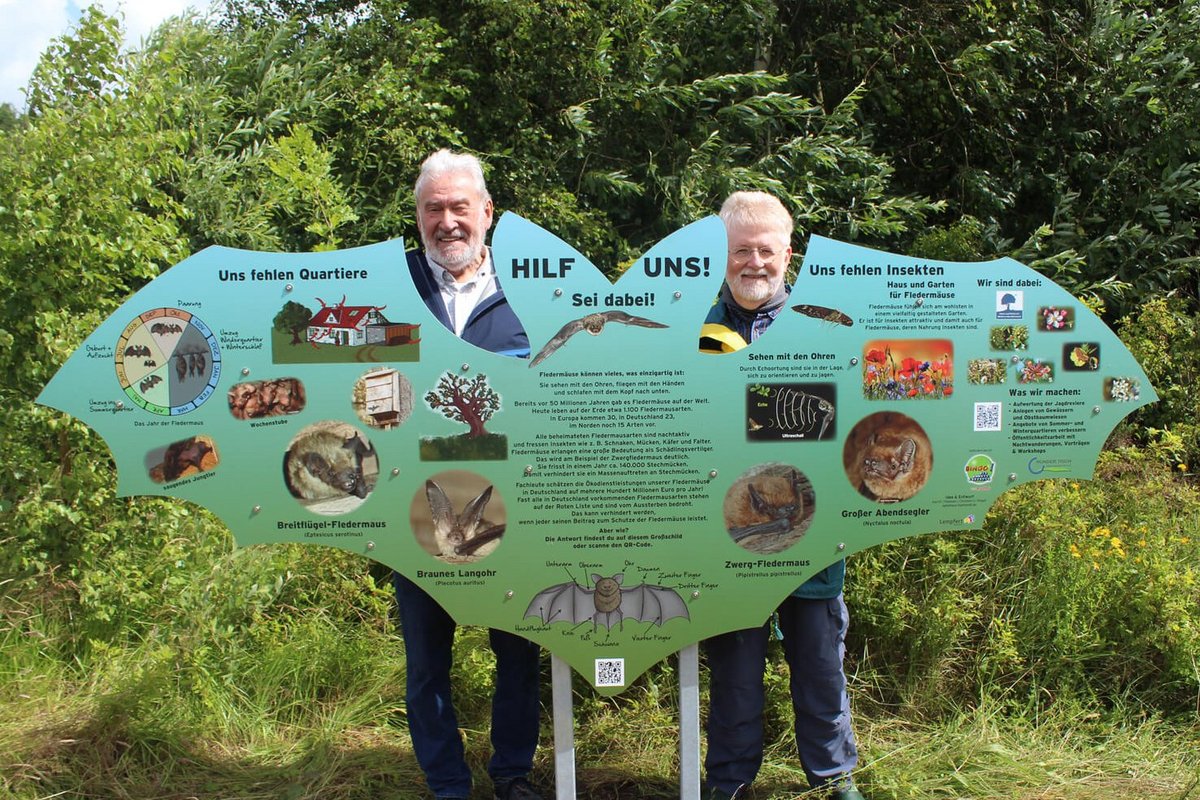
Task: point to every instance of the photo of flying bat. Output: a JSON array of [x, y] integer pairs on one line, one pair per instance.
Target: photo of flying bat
[[149, 383], [461, 534], [606, 603], [137, 350], [165, 328], [593, 324], [825, 313]]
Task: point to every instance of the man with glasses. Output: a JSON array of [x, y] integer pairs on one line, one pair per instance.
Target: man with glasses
[[813, 620]]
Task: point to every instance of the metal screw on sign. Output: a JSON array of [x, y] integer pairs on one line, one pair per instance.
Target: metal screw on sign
[[558, 292], [528, 469], [287, 288], [370, 545], [466, 367], [395, 471], [854, 361]]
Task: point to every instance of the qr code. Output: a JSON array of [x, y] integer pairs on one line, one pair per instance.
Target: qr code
[[987, 416], [610, 672]]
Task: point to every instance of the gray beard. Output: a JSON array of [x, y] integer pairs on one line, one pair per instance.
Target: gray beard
[[463, 258]]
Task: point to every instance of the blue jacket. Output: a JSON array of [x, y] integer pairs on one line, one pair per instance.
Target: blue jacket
[[492, 325]]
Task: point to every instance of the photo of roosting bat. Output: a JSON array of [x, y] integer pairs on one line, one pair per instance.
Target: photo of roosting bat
[[769, 508], [606, 603], [330, 460], [593, 324], [183, 459]]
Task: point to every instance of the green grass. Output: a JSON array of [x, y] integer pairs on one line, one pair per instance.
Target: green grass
[[317, 712], [1051, 655]]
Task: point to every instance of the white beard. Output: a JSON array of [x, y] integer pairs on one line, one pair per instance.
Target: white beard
[[753, 292], [453, 255]]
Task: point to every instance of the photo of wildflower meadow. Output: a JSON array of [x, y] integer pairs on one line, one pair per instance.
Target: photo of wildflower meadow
[[908, 369]]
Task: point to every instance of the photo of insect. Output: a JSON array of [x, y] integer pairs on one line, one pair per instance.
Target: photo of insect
[[149, 383], [461, 534], [137, 350], [593, 324], [166, 328], [605, 602], [824, 313]]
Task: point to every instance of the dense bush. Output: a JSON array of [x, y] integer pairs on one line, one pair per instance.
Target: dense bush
[[1086, 591]]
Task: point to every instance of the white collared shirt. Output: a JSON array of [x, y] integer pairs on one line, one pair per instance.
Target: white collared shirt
[[460, 299]]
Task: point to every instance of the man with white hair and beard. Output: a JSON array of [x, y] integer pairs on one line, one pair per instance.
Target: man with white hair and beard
[[457, 280], [812, 621]]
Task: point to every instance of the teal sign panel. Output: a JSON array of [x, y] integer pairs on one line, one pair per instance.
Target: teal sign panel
[[619, 494]]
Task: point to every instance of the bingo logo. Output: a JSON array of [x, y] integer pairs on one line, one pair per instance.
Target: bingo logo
[[980, 470]]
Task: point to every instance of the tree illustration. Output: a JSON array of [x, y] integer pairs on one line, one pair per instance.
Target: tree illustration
[[292, 318], [471, 402]]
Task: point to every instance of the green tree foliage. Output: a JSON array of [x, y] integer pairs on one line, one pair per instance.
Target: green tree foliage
[[471, 402], [292, 318], [1062, 133]]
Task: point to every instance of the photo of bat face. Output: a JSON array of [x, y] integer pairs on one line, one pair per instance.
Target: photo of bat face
[[458, 517], [606, 603]]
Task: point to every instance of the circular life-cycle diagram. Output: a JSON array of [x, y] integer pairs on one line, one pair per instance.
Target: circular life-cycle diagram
[[167, 361]]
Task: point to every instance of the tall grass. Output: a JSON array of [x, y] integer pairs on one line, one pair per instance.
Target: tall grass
[[1050, 655]]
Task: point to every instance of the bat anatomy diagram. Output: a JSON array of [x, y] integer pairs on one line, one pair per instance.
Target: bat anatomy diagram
[[606, 603]]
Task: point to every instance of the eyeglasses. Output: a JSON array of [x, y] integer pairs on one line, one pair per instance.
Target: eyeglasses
[[743, 254]]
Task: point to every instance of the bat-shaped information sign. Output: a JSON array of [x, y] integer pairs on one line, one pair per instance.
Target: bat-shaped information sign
[[619, 494]]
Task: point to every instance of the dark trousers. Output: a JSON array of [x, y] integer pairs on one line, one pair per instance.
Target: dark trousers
[[428, 633], [814, 634]]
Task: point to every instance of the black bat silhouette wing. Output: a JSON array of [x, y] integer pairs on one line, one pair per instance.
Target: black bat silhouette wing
[[649, 603], [558, 340], [563, 602]]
